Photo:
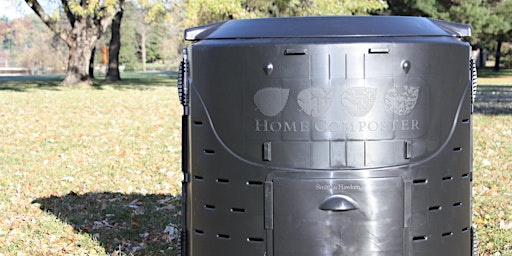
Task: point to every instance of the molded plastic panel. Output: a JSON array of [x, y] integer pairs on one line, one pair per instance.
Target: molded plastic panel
[[370, 218]]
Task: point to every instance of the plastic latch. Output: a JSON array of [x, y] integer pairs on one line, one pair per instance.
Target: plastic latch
[[267, 151], [338, 203], [407, 150]]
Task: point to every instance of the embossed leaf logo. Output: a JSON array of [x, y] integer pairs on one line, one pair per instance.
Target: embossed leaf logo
[[402, 99], [359, 100], [315, 101], [271, 100]]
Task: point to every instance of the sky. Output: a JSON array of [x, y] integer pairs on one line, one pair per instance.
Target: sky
[[14, 9]]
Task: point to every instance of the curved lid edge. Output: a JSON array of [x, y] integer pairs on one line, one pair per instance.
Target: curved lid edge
[[201, 32], [328, 26], [456, 29]]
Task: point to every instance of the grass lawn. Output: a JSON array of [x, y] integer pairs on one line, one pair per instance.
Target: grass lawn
[[89, 171], [492, 188], [96, 170]]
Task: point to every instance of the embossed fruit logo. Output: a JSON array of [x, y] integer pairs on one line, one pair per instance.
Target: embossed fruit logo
[[402, 99], [271, 100], [315, 101], [359, 100]]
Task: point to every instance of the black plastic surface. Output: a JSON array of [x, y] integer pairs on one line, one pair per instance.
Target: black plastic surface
[[325, 27]]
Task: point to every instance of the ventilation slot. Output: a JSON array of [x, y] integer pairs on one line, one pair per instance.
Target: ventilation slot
[[198, 178], [238, 210], [447, 234], [295, 52], [255, 240], [223, 236], [457, 149], [447, 178], [420, 181], [457, 204], [209, 152], [199, 232], [197, 123], [435, 208], [419, 238], [222, 181], [209, 207], [378, 50], [253, 183]]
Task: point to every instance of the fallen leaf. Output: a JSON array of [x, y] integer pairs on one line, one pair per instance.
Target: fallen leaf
[[505, 225]]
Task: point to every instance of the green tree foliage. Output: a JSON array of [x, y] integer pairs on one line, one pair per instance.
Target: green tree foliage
[[147, 39], [487, 17], [145, 29], [490, 19], [130, 46], [198, 12]]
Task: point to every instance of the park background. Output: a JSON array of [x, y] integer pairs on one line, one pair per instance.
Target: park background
[[92, 166]]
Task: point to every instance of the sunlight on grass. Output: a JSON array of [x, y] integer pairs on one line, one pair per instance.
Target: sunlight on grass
[[496, 81], [492, 190], [81, 141]]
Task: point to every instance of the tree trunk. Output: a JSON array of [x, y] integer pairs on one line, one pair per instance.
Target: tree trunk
[[85, 35], [114, 48], [91, 63], [143, 49], [77, 73], [481, 59], [498, 55]]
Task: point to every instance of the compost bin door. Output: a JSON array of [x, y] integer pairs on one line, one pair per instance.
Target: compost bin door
[[338, 216]]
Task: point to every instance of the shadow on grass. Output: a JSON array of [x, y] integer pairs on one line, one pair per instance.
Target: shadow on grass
[[139, 81], [494, 100], [129, 81], [133, 224], [488, 72], [24, 83]]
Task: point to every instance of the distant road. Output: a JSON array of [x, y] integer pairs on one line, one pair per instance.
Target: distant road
[[14, 71]]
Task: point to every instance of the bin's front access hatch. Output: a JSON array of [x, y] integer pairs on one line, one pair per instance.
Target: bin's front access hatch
[[338, 216]]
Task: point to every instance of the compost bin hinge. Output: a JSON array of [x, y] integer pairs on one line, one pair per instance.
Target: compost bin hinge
[[474, 83], [183, 87], [183, 92]]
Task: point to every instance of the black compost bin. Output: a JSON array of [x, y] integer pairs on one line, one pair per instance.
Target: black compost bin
[[318, 136]]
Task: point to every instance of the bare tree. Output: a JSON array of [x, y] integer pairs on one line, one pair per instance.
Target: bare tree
[[86, 23]]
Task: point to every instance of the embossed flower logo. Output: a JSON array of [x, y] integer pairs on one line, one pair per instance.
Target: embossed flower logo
[[271, 100], [402, 99], [359, 100], [315, 101]]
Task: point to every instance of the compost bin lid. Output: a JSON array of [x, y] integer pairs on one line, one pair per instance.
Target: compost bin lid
[[328, 27]]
